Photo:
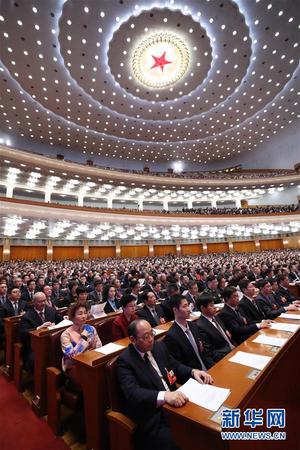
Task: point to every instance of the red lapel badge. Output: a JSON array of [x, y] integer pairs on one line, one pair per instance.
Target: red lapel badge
[[171, 376]]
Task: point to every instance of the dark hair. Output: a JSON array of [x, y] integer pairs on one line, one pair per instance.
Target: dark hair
[[126, 299], [228, 291], [281, 277], [81, 290], [12, 288], [204, 300], [176, 300], [30, 281], [74, 308], [210, 278], [262, 283], [72, 283], [172, 288], [105, 291], [192, 283], [243, 284], [132, 327], [97, 282]]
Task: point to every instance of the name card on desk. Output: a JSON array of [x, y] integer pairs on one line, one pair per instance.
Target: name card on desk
[[290, 327], [109, 348], [268, 340], [290, 316], [251, 360], [204, 395]]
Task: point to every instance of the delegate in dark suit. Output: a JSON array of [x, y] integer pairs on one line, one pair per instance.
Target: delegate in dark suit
[[181, 348], [139, 390], [145, 313], [236, 325], [250, 310], [30, 321], [268, 305], [214, 342], [7, 309]]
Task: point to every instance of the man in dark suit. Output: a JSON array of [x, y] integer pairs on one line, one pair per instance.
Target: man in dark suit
[[39, 316], [96, 294], [3, 292], [283, 290], [151, 312], [248, 306], [147, 375], [192, 295], [183, 338], [13, 306], [216, 339], [202, 280], [212, 289], [266, 301], [234, 322], [28, 293], [167, 303]]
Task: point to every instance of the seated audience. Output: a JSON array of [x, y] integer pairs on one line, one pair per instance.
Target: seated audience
[[96, 294], [14, 305], [3, 292], [77, 339], [233, 320], [247, 305], [28, 292], [39, 316], [212, 289], [216, 339], [151, 311], [120, 324], [109, 297], [266, 301], [284, 292], [192, 295], [147, 376], [183, 338]]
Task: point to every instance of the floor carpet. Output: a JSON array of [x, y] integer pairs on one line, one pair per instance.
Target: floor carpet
[[20, 428]]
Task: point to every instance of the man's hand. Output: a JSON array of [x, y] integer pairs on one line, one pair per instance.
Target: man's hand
[[202, 377], [264, 324], [296, 302], [291, 308], [176, 398], [45, 325]]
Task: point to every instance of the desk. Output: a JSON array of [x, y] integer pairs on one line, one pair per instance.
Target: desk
[[274, 387], [11, 327], [91, 375], [294, 289], [40, 344]]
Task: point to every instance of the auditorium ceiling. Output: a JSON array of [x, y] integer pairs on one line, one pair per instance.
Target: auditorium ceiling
[[150, 81]]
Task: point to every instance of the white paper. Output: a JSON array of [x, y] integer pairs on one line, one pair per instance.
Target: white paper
[[290, 316], [205, 395], [251, 360], [98, 310], [109, 348], [219, 305], [159, 331], [196, 313], [291, 327], [269, 340], [63, 323]]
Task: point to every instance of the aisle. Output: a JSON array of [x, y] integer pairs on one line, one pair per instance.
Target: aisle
[[20, 428]]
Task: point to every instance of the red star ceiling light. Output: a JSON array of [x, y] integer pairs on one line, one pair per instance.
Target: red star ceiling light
[[160, 61]]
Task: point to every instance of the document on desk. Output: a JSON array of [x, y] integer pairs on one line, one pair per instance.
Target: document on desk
[[204, 395], [109, 348], [291, 327], [63, 323], [269, 340], [251, 360], [290, 316], [219, 305], [159, 331]]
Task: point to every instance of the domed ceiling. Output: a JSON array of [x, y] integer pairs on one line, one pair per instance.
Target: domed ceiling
[[150, 81]]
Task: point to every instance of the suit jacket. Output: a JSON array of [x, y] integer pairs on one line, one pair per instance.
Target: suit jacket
[[213, 294], [249, 311], [139, 389], [145, 313], [95, 296], [268, 306], [7, 309], [192, 300], [31, 320], [201, 285], [235, 324], [214, 342], [181, 349], [109, 309], [25, 296], [287, 295]]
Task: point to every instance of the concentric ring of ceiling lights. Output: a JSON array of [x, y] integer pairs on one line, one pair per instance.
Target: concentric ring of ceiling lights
[[62, 88]]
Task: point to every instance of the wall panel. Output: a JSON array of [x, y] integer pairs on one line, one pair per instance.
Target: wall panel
[[134, 251], [28, 252], [191, 249], [160, 250], [244, 246], [271, 244], [102, 252], [217, 247], [67, 253]]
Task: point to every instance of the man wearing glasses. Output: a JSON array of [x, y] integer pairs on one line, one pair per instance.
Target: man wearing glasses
[[147, 376]]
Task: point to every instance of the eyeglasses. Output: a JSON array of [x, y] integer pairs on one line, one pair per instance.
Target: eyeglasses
[[147, 336]]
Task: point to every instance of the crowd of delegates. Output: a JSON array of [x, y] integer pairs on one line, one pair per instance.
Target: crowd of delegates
[[236, 294], [241, 211]]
